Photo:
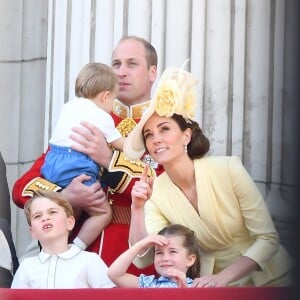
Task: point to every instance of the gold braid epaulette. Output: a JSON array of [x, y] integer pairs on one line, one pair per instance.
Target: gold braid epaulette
[[130, 168], [39, 183]]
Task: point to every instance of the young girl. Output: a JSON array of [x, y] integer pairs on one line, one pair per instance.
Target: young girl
[[176, 260], [58, 265]]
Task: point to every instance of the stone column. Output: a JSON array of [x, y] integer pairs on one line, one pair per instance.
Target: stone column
[[23, 32]]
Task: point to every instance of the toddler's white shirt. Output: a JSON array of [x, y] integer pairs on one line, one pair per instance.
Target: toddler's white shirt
[[76, 111]]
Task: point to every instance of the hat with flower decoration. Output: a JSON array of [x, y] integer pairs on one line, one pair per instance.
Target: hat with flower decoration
[[175, 94]]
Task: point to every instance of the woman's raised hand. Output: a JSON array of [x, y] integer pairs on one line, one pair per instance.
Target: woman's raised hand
[[142, 189]]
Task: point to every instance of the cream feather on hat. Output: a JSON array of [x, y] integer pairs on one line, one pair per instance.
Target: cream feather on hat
[[175, 94]]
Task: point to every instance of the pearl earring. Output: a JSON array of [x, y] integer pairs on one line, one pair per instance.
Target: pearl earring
[[185, 148]]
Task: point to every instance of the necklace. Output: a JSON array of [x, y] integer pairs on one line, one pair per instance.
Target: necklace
[[191, 195]]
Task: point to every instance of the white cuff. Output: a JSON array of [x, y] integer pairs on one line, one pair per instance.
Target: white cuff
[[79, 243]]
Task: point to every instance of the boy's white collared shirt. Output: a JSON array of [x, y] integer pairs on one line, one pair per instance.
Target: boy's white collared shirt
[[71, 269]]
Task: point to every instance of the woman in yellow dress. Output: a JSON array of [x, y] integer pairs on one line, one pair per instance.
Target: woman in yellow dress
[[212, 195]]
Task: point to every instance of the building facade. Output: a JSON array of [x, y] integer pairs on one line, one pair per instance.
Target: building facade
[[243, 53]]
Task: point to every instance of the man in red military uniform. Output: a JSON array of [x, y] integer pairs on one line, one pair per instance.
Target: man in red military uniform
[[134, 60]]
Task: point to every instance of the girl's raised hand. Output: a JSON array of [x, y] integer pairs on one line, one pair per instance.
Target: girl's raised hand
[[178, 276]]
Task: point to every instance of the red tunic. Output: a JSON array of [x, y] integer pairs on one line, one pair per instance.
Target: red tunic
[[114, 239]]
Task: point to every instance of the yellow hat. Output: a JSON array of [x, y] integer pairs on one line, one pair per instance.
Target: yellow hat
[[175, 94]]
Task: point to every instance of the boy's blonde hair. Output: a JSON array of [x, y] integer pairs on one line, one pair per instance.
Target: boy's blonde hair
[[52, 196], [95, 78]]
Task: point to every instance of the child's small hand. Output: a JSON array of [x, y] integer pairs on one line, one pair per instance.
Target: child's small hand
[[178, 276], [153, 239]]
